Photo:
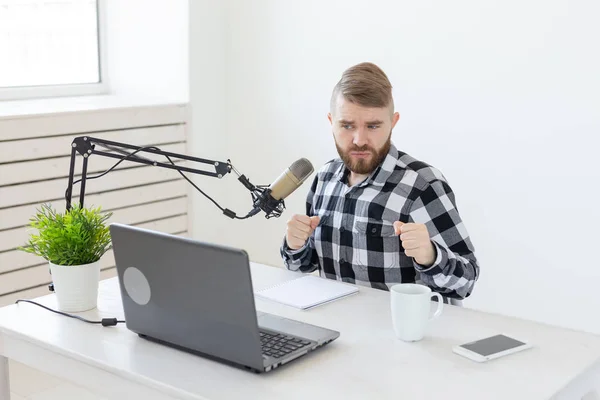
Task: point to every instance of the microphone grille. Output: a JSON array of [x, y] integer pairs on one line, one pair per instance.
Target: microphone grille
[[301, 169]]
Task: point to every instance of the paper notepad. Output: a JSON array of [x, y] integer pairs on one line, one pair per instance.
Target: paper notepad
[[307, 292]]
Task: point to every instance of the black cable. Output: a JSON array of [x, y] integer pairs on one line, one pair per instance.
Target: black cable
[[103, 322], [225, 211]]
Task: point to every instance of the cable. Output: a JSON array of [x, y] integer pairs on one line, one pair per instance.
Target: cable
[[104, 321], [225, 211]]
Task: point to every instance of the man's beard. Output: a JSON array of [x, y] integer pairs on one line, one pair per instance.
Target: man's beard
[[362, 166]]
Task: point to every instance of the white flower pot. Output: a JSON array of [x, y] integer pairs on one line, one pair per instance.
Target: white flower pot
[[76, 286]]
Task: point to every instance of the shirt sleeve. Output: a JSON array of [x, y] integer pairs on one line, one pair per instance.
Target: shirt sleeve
[[304, 259], [455, 269]]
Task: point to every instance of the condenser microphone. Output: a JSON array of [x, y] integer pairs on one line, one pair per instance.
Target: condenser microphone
[[271, 199]]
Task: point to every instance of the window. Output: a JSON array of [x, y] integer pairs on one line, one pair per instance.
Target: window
[[50, 48]]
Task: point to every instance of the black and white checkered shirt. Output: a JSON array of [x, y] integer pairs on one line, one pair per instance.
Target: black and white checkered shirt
[[355, 241]]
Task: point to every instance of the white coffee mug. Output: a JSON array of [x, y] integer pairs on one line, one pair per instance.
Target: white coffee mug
[[411, 306]]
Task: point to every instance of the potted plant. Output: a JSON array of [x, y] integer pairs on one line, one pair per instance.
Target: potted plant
[[73, 243]]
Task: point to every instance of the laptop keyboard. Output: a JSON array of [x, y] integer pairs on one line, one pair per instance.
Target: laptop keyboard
[[276, 345]]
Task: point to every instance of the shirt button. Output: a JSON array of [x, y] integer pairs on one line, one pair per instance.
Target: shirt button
[[342, 261], [342, 229], [374, 230]]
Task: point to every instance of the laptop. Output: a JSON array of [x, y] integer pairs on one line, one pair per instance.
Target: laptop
[[198, 297]]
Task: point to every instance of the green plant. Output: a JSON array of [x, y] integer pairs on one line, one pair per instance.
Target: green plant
[[77, 236]]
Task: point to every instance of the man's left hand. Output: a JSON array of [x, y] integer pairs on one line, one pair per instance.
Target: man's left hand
[[416, 242]]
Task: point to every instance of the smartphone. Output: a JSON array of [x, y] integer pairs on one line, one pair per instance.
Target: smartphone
[[491, 347]]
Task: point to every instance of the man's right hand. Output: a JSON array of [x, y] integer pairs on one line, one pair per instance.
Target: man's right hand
[[299, 229]]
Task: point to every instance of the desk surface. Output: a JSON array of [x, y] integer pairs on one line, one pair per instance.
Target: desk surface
[[367, 361]]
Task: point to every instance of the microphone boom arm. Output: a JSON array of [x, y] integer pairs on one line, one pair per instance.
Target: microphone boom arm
[[86, 146]]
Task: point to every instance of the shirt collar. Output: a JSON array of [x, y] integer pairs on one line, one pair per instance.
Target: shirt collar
[[379, 176]]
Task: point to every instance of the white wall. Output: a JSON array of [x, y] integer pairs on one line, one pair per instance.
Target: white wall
[[208, 107], [147, 49], [503, 97]]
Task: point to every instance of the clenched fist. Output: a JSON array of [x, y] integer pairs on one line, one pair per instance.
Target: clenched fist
[[416, 242], [299, 229]]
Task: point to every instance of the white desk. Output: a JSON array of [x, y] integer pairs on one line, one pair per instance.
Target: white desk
[[367, 361]]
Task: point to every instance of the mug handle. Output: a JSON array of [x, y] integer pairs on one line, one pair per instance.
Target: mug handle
[[440, 305]]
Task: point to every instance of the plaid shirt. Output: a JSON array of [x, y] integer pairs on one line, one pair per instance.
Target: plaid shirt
[[355, 241]]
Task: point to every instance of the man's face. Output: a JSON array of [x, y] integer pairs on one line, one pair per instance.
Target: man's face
[[362, 135]]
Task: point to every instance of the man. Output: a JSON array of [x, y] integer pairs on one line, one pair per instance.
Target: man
[[376, 216]]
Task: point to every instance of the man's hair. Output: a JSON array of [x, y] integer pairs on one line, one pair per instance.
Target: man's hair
[[364, 84]]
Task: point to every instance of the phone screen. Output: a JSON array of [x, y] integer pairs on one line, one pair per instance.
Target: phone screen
[[492, 345]]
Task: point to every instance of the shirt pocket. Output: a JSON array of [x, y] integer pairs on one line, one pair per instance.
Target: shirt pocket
[[377, 244]]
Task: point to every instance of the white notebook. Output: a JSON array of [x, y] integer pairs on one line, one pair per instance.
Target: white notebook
[[307, 292]]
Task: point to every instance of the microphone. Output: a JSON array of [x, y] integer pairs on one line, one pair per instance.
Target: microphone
[[270, 200]]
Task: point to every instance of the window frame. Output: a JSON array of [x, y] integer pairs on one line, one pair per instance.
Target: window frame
[[69, 90]]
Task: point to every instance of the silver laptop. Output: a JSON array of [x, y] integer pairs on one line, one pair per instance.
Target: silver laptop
[[198, 297]]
